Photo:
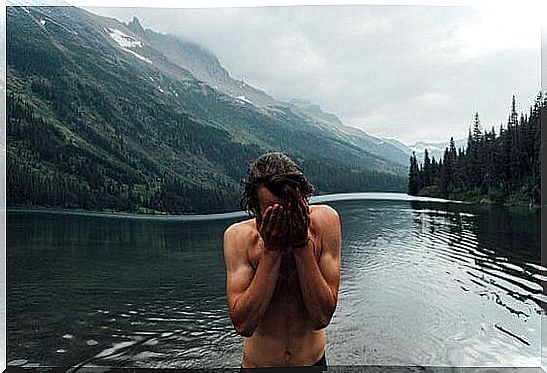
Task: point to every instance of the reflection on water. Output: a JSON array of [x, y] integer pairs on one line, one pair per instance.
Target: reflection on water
[[422, 283]]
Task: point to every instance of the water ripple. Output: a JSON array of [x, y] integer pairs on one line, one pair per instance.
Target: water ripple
[[423, 284]]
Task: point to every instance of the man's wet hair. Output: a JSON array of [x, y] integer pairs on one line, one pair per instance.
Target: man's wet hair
[[277, 172]]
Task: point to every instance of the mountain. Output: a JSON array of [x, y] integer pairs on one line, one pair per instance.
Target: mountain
[[331, 123], [206, 67], [105, 115], [315, 111], [435, 149], [398, 144]]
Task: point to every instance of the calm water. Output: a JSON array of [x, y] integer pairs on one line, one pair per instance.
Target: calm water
[[423, 283]]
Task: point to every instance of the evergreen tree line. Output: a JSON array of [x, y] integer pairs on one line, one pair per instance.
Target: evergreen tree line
[[501, 168], [47, 168]]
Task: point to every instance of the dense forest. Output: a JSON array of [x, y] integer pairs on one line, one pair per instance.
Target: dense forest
[[65, 174], [503, 167], [91, 126]]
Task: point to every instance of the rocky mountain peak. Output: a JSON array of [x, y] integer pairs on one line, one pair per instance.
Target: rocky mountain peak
[[136, 27]]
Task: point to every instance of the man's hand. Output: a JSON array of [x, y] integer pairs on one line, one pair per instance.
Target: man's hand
[[299, 223], [274, 228]]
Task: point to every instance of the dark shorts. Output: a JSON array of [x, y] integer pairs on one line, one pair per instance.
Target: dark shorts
[[320, 363]]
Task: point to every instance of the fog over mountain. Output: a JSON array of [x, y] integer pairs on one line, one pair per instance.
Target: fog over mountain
[[105, 114], [413, 73]]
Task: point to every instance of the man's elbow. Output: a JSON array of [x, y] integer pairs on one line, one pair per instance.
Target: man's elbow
[[321, 323], [243, 327], [244, 330]]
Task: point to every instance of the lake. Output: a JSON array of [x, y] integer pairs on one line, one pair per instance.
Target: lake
[[423, 282]]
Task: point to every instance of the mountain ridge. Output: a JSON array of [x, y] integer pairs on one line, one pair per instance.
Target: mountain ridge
[[206, 67], [102, 119]]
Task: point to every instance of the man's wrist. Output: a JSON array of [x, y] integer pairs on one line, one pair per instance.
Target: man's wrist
[[271, 254], [302, 243], [302, 249]]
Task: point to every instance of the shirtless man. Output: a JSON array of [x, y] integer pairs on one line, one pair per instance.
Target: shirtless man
[[283, 267]]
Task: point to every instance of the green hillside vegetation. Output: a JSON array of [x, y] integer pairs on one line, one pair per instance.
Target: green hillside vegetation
[[92, 126]]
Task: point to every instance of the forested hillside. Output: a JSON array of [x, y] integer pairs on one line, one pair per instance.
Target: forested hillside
[[503, 167], [99, 119]]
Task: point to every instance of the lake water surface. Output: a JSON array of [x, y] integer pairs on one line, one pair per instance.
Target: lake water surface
[[423, 283]]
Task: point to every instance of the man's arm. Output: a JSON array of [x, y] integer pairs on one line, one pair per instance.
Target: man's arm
[[249, 294], [319, 281]]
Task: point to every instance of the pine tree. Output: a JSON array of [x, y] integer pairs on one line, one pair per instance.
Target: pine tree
[[427, 178], [500, 166], [413, 177], [447, 174]]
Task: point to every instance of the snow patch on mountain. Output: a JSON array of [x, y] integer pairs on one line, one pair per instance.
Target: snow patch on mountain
[[244, 99], [137, 55], [125, 42], [420, 148], [434, 149], [122, 39]]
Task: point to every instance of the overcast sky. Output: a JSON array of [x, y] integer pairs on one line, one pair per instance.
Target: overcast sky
[[414, 73]]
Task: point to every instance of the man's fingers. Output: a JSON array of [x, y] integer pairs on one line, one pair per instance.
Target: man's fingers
[[305, 212], [296, 226], [276, 224], [302, 205], [300, 214], [265, 219], [288, 220], [271, 221], [286, 224], [300, 219], [297, 217]]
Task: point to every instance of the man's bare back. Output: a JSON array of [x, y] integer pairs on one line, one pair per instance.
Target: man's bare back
[[294, 292]]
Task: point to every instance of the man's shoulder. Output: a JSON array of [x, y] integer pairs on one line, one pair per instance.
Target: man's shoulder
[[326, 226], [242, 231], [324, 213]]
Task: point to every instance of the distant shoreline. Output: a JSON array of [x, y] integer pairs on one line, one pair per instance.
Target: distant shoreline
[[125, 215], [388, 196], [481, 200]]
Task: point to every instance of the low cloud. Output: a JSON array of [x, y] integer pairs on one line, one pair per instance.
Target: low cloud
[[416, 73]]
